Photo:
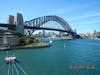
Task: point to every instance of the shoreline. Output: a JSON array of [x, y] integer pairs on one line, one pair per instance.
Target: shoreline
[[23, 47]]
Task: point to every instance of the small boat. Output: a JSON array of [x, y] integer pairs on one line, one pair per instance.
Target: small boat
[[50, 41], [10, 59]]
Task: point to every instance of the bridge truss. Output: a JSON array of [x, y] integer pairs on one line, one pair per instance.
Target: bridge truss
[[37, 24], [40, 21]]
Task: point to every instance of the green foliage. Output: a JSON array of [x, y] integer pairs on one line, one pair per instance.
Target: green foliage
[[26, 40], [41, 44]]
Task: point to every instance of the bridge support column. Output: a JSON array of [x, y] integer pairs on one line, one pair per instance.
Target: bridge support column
[[20, 29], [19, 23], [28, 32]]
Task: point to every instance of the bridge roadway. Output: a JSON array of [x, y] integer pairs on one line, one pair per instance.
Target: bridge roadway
[[7, 25], [13, 26]]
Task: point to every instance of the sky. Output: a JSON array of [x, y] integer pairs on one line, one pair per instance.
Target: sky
[[82, 15]]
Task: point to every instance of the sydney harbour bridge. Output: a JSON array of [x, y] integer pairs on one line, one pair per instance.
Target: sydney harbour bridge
[[28, 27]]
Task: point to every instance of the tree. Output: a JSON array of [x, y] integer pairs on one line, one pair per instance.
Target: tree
[[26, 40]]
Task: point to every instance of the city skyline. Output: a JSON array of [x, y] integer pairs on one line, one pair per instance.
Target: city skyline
[[83, 15]]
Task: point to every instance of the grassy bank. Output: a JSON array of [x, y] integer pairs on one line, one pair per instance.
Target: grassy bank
[[41, 44], [33, 45]]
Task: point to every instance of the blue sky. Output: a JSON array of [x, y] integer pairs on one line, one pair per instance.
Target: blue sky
[[83, 15]]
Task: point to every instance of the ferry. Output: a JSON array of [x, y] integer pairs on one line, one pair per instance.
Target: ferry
[[10, 59]]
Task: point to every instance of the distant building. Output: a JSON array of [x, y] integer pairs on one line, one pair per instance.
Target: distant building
[[83, 35], [43, 33], [10, 19], [91, 35]]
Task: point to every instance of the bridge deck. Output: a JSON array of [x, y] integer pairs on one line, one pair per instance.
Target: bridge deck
[[12, 26]]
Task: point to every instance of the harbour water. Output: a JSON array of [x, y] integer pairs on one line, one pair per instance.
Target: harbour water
[[64, 57]]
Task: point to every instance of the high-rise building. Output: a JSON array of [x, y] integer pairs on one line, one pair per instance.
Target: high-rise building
[[43, 33], [10, 19]]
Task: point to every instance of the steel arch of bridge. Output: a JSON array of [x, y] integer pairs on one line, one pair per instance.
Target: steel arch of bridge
[[38, 22]]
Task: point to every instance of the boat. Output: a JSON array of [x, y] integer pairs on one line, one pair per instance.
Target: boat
[[10, 59], [50, 41], [13, 66]]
